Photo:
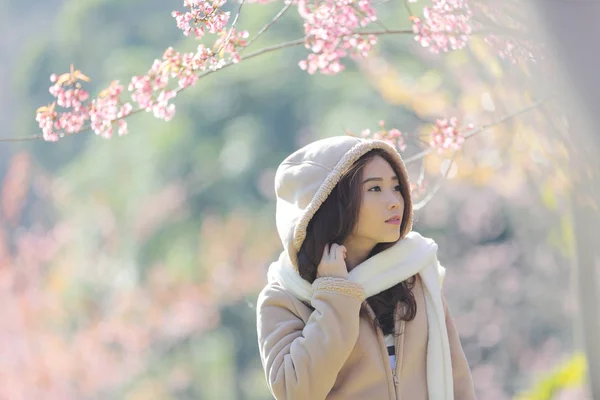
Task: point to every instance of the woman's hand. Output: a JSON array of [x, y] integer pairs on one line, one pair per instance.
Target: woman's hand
[[333, 263]]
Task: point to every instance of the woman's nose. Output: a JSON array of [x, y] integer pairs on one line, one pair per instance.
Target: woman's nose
[[394, 200]]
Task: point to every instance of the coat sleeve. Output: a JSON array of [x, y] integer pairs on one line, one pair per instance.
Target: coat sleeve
[[301, 361], [463, 381]]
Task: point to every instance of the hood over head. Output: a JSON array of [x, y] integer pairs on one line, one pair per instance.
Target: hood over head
[[305, 179]]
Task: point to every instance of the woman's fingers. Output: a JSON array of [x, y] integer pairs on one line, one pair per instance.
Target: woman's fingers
[[333, 251], [333, 261], [341, 252], [325, 253]]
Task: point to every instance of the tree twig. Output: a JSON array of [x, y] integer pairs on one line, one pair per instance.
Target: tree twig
[[437, 186], [268, 25], [410, 13]]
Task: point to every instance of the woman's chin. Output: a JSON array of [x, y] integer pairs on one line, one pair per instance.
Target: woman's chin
[[389, 238]]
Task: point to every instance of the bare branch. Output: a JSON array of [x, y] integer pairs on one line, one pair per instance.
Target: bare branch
[[267, 26], [24, 139], [410, 13], [437, 186], [421, 173]]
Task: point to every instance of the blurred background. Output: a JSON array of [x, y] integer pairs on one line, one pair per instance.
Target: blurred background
[[129, 267]]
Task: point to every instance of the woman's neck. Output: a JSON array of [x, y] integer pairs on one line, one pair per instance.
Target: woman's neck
[[357, 252]]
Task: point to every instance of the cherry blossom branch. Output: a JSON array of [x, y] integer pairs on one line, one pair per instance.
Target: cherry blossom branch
[[481, 128], [331, 33], [293, 43], [257, 53], [297, 42]]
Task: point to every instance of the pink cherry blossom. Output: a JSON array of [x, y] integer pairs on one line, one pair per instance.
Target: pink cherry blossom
[[45, 117], [203, 16], [393, 136], [330, 28], [123, 127], [104, 110], [71, 121], [235, 40], [445, 26], [69, 98], [183, 67], [78, 109], [446, 134], [69, 95]]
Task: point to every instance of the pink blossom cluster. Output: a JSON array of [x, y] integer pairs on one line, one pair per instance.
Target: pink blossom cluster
[[173, 64], [69, 94], [203, 16], [235, 40], [447, 135], [446, 26], [183, 67], [143, 88], [151, 92], [393, 136], [330, 27], [106, 109]]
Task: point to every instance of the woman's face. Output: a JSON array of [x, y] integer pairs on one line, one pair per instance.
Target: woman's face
[[381, 201]]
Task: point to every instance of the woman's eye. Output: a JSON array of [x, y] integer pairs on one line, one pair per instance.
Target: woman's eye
[[378, 188]]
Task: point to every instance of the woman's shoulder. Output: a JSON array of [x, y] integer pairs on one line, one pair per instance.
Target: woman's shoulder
[[273, 289], [273, 294]]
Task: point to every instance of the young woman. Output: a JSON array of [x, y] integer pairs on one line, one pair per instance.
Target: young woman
[[353, 308]]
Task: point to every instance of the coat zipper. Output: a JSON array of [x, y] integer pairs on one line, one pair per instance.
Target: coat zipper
[[399, 350], [398, 343], [382, 346], [395, 366]]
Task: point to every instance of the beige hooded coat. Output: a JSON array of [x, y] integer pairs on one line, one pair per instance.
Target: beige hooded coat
[[330, 349]]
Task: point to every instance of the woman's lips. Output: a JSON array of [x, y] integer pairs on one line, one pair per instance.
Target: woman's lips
[[393, 221]]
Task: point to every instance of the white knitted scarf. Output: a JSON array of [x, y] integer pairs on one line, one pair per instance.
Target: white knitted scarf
[[411, 255]]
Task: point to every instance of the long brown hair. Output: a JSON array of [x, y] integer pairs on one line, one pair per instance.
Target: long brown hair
[[334, 222]]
